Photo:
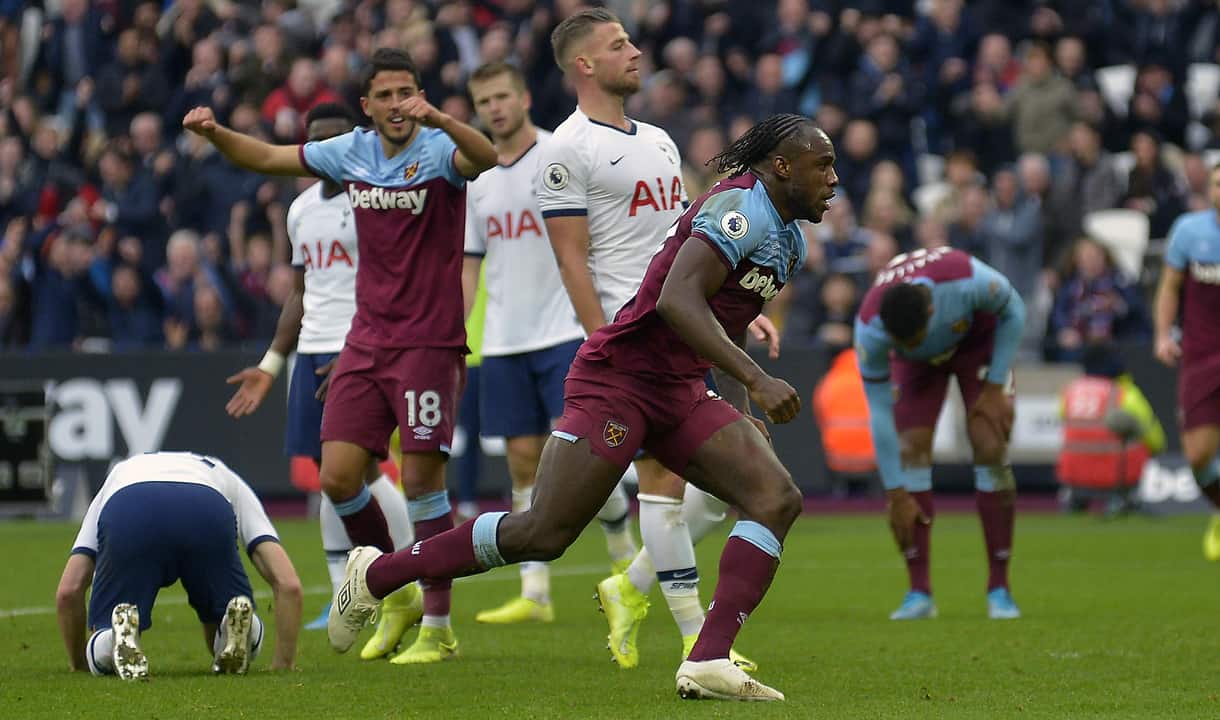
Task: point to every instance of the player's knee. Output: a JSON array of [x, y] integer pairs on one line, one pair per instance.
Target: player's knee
[[544, 540], [916, 450], [989, 451], [777, 507], [340, 486]]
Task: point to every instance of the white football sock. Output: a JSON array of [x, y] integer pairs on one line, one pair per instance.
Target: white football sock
[[702, 512], [668, 542], [613, 517], [335, 542], [256, 637], [99, 652], [394, 506], [535, 576], [439, 621]]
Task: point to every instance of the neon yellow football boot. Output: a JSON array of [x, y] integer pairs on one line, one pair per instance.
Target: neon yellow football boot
[[518, 610], [1211, 540], [433, 645], [400, 611], [625, 608]]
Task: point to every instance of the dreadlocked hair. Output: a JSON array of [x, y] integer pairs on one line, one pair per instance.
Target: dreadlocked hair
[[756, 143]]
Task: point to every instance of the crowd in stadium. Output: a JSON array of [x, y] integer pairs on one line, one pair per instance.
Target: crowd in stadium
[[982, 125]]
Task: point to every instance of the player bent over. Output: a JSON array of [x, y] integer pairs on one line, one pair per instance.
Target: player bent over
[[729, 253], [931, 315], [128, 552]]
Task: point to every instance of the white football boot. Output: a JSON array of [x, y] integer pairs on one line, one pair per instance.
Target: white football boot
[[721, 679], [354, 606]]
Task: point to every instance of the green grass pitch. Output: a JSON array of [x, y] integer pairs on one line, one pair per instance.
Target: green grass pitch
[[1122, 620]]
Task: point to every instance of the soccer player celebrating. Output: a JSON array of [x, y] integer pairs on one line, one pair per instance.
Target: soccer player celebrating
[[728, 254], [930, 315], [314, 320], [403, 361], [610, 188], [202, 511], [1191, 278], [530, 333]]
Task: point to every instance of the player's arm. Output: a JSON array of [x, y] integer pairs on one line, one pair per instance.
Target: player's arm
[[1165, 313], [273, 564], [697, 273], [243, 150], [70, 608], [873, 356], [992, 293], [255, 382], [471, 266], [569, 236], [475, 153]]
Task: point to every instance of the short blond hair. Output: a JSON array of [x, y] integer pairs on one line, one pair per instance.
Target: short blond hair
[[577, 27]]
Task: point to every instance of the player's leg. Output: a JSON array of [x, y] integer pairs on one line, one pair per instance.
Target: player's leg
[[724, 454], [921, 394], [356, 424], [512, 401], [1200, 444], [468, 465], [995, 489], [402, 610]]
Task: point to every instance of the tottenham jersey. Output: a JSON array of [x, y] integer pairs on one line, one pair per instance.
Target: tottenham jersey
[[527, 306], [629, 185], [253, 526], [323, 235]]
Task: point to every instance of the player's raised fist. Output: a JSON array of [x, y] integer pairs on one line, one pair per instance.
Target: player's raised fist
[[200, 120], [776, 398], [421, 111]]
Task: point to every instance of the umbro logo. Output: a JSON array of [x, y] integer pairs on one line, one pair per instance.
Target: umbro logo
[[344, 598], [617, 160]]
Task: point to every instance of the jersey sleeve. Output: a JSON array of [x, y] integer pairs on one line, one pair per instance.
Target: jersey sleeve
[[86, 538], [293, 223], [873, 357], [1177, 253], [728, 223], [563, 180], [475, 243], [253, 525], [448, 159], [990, 291], [325, 158]]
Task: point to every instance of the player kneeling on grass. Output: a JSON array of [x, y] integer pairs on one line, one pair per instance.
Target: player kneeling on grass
[[158, 518], [638, 383]]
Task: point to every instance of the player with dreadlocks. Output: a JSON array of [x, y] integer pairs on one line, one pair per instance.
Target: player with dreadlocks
[[638, 383]]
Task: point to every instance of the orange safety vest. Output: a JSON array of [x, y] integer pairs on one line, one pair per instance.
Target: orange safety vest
[[1092, 455], [841, 410]]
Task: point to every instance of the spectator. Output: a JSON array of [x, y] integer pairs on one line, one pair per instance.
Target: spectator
[[18, 194], [884, 92], [968, 232], [210, 331], [1194, 172], [134, 308], [943, 44], [1012, 231], [1088, 175], [131, 84], [856, 159], [1158, 105], [1072, 63], [205, 83], [1094, 305], [664, 105], [961, 174], [72, 47], [12, 330], [706, 142], [1042, 105], [129, 203], [768, 95], [1060, 221], [844, 244], [60, 287], [178, 281], [1151, 187], [882, 248], [285, 108], [931, 233]]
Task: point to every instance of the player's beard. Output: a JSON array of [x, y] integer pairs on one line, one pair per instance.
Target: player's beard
[[624, 85], [512, 128], [386, 129]]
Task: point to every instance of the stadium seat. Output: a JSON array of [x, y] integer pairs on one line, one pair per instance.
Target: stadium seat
[[1117, 84], [1124, 233], [927, 197], [1123, 162], [1202, 87]]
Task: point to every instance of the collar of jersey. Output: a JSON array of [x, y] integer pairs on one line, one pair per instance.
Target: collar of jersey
[[632, 131], [761, 187]]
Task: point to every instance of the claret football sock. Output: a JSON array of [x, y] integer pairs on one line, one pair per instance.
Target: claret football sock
[[919, 556], [432, 516], [997, 511], [747, 567], [365, 523]]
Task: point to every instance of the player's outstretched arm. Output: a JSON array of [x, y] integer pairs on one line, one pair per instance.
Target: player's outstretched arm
[[70, 608], [475, 153], [243, 150], [696, 274], [569, 235], [1165, 314], [255, 382], [273, 564], [471, 266]]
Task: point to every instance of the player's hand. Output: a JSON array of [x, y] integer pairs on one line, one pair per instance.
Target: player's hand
[[325, 386], [763, 330], [762, 426], [904, 513], [776, 398], [1167, 350], [421, 111], [254, 384], [995, 407], [200, 121]]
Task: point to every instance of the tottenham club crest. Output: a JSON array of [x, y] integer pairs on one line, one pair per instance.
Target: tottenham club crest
[[734, 225], [410, 171], [555, 176], [614, 434]]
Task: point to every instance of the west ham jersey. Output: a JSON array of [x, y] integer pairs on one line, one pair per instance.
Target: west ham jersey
[[527, 306], [323, 235], [629, 185], [410, 212], [736, 218], [1194, 249]]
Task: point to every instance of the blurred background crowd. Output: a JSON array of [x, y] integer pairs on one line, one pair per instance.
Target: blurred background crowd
[[997, 126]]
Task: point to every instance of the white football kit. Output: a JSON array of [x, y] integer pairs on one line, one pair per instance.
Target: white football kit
[[628, 184], [527, 306], [323, 235]]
